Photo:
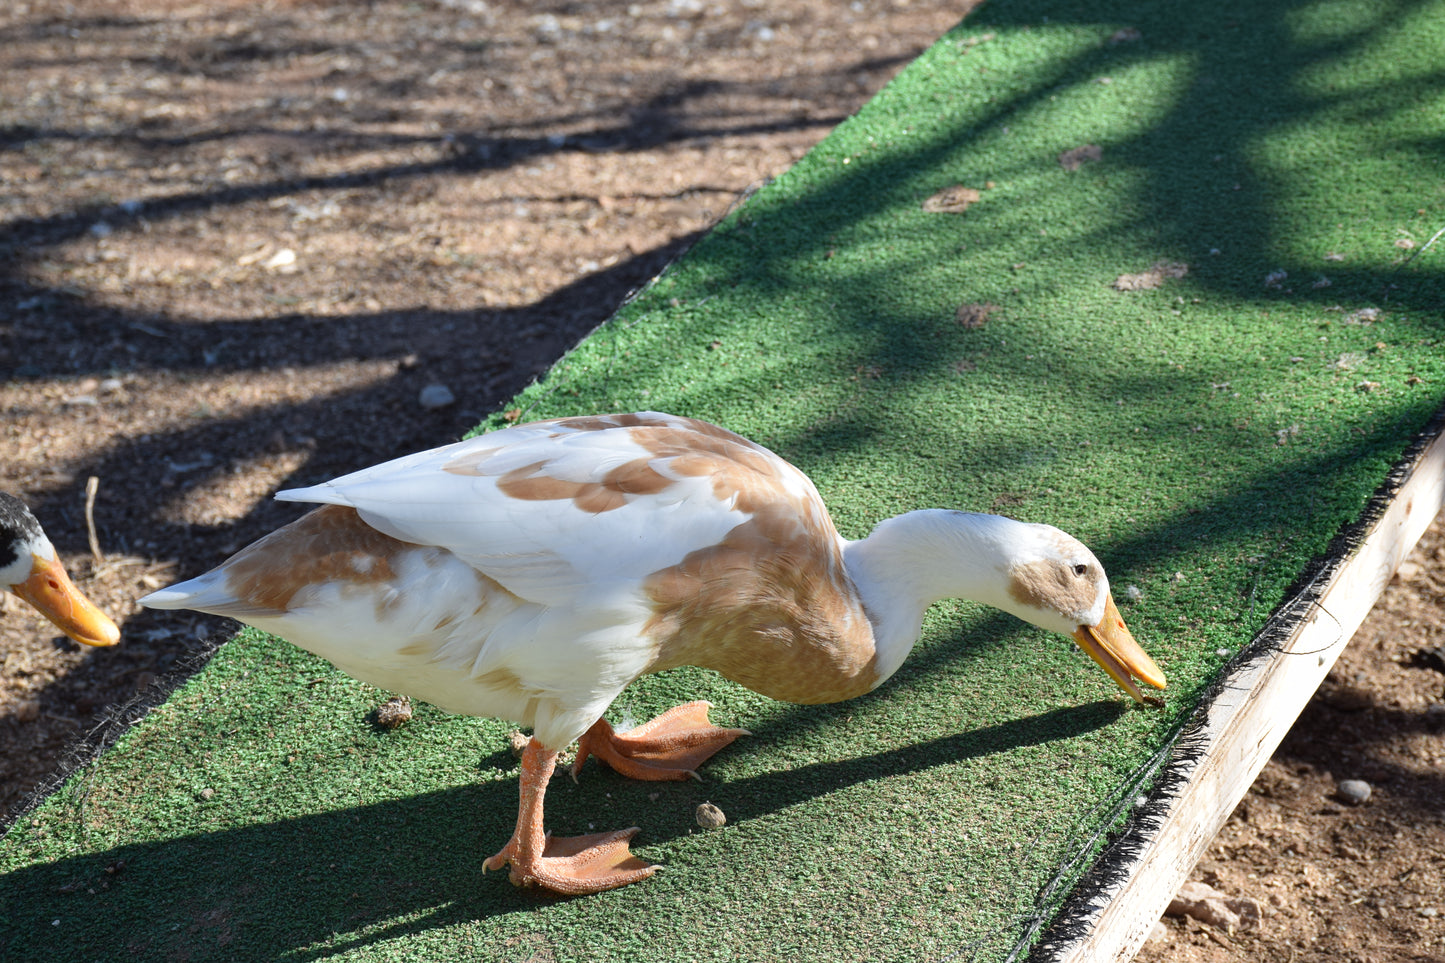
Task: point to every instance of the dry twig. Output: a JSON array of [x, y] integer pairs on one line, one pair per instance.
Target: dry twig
[[92, 485]]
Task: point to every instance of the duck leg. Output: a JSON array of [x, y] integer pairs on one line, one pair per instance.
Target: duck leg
[[573, 865], [671, 746]]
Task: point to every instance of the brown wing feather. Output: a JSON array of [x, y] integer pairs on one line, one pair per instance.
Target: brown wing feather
[[330, 544]]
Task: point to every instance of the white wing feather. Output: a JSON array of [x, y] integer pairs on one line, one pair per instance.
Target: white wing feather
[[538, 549]]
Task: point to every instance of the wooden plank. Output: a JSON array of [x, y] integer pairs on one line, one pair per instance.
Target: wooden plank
[[1249, 718]]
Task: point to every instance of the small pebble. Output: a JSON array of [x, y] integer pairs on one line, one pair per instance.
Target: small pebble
[[1208, 905], [281, 261], [393, 712], [518, 741], [1353, 792], [709, 816], [206, 793], [436, 396]]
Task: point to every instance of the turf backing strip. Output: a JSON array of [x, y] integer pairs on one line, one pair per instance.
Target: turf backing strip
[[1137, 269]]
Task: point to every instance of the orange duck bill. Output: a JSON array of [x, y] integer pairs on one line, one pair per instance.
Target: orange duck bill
[[52, 593], [1112, 645]]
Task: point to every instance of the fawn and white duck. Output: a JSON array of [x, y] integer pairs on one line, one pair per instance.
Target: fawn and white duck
[[532, 573]]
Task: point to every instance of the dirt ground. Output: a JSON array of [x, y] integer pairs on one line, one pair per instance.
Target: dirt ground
[[1355, 883], [243, 243]]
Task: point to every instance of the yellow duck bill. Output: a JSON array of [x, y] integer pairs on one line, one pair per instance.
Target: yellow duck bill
[[52, 593], [1112, 646]]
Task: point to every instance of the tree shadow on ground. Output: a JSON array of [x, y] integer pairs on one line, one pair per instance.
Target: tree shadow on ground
[[272, 890], [58, 333]]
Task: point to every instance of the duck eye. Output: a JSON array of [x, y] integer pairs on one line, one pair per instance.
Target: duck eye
[[1081, 570]]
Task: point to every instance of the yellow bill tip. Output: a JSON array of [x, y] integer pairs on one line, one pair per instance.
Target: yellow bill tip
[[1112, 646], [51, 592]]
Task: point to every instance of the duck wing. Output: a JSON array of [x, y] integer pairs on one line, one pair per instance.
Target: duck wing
[[571, 505]]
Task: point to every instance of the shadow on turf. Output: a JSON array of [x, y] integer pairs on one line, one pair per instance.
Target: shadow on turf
[[486, 354], [280, 889], [238, 883]]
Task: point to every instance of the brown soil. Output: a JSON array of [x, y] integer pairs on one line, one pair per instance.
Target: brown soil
[[240, 239], [1336, 881]]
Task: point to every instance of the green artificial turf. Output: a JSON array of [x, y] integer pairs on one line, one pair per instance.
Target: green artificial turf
[[1207, 438]]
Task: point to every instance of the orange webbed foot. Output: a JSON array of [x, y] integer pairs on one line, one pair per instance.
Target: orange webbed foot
[[576, 865], [572, 865], [668, 747]]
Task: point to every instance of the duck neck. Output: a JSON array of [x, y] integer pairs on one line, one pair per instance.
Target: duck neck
[[913, 560]]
